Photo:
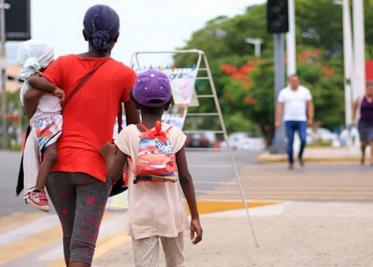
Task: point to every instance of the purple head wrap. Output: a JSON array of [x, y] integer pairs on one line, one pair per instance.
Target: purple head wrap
[[101, 24]]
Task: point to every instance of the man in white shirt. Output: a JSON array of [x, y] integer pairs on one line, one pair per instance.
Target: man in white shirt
[[295, 108]]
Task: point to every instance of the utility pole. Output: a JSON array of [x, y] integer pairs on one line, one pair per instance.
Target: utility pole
[[279, 146], [358, 85], [4, 128], [291, 41], [278, 25], [347, 58]]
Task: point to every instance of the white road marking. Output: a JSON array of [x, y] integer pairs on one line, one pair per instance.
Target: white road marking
[[35, 227]]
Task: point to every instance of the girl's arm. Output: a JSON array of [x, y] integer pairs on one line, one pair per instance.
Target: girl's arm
[[115, 160], [38, 82], [187, 186], [132, 115]]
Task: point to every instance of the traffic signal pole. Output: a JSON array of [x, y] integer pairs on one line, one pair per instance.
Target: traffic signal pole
[[278, 144], [4, 126], [278, 24]]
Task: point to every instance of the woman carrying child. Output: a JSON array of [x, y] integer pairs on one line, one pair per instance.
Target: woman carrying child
[[77, 185]]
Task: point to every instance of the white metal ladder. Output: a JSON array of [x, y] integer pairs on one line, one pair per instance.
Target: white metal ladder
[[203, 68]]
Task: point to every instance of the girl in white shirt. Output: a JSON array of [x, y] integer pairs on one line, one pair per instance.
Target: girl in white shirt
[[155, 211]]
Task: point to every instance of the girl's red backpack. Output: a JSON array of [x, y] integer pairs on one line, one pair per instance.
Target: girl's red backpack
[[155, 161]]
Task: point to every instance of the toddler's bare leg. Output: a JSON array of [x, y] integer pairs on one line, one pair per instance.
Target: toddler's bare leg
[[49, 158]]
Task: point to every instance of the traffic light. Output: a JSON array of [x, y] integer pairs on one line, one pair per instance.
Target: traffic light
[[277, 16], [17, 20]]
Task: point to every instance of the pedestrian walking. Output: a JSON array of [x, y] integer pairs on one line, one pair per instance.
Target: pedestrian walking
[[295, 108], [156, 155], [362, 112], [95, 86]]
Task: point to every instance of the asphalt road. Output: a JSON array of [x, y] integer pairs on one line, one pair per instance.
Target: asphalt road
[[209, 169], [9, 163], [213, 176], [29, 237]]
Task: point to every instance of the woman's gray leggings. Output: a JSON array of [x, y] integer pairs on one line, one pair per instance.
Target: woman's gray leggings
[[79, 200]]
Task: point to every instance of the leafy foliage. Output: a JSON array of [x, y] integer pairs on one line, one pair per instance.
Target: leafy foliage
[[248, 102]]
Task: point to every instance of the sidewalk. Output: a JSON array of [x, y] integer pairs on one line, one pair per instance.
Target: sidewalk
[[289, 234], [318, 154], [316, 181]]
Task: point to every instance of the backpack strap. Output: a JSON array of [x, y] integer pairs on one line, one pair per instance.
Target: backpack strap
[[157, 132]]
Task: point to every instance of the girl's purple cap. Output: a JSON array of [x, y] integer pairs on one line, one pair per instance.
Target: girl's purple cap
[[152, 89]]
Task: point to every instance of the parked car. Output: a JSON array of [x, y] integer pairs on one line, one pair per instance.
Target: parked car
[[205, 139], [242, 141]]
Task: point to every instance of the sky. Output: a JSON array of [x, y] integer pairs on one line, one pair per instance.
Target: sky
[[145, 24]]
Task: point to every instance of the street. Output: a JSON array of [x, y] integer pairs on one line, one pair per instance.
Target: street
[[32, 238], [201, 164], [295, 77], [9, 164]]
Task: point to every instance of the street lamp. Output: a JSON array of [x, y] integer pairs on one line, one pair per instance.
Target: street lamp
[[257, 44]]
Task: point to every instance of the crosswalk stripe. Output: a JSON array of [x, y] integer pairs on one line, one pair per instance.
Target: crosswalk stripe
[[31, 237], [104, 245], [110, 243], [112, 221], [17, 219], [21, 247], [53, 254], [35, 227]]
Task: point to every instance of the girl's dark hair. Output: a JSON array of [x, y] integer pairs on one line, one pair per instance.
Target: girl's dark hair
[[101, 26]]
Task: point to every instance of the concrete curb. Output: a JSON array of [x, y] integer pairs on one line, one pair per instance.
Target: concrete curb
[[269, 158], [319, 155]]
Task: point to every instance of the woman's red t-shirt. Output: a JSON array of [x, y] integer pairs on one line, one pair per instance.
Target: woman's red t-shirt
[[89, 118]]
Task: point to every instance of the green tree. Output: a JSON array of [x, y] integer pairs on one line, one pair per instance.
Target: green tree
[[320, 62]]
